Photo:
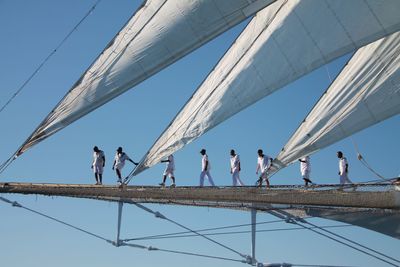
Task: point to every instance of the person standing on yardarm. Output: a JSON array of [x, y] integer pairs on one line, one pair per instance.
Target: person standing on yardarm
[[169, 170], [205, 169], [305, 169], [343, 169], [99, 160], [235, 169], [263, 165], [119, 163]]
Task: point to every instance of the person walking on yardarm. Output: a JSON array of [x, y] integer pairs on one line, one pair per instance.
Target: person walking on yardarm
[[119, 163], [99, 160], [205, 169], [343, 169], [305, 169], [235, 169], [263, 165], [169, 170]]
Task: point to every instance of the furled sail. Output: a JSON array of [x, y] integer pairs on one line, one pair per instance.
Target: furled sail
[[159, 33], [366, 92], [284, 41]]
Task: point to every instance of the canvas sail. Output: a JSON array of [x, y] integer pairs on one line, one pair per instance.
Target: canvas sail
[[284, 41], [366, 92], [159, 33]]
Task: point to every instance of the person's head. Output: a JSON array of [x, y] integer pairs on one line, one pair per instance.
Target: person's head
[[203, 151], [119, 150], [95, 149], [233, 152], [260, 152], [339, 154]]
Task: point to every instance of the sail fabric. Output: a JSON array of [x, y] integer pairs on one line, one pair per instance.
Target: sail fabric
[[366, 92], [283, 42], [159, 33]]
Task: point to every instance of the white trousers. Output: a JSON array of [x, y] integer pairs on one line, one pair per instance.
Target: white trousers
[[236, 179], [344, 179], [203, 174]]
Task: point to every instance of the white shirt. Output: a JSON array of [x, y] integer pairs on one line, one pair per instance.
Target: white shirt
[[263, 163], [204, 159], [305, 166], [235, 162], [342, 165], [98, 158], [171, 163], [120, 159]]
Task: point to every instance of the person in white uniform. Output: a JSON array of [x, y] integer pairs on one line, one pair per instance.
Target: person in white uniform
[[263, 165], [305, 169], [99, 160], [205, 169], [169, 170], [343, 169], [235, 169], [119, 163]]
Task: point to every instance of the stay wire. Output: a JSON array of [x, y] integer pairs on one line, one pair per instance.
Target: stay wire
[[161, 216], [353, 242], [16, 204], [236, 232], [202, 230], [345, 244], [49, 56]]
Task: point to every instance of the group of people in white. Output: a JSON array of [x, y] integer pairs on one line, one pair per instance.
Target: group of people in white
[[99, 161], [264, 164]]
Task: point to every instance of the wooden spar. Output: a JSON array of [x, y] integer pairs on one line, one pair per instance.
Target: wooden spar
[[234, 197]]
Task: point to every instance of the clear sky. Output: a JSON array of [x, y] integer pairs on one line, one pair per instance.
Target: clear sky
[[30, 30]]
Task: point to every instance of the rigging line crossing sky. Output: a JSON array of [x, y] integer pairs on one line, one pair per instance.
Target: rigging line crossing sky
[[161, 216], [345, 244], [235, 232], [353, 242], [40, 66]]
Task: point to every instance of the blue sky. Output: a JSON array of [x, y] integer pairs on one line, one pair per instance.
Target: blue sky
[[30, 30]]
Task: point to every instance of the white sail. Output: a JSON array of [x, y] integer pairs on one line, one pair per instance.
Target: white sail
[[159, 33], [366, 92], [284, 41]]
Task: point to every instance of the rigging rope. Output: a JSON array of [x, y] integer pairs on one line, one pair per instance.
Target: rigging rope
[[343, 243], [49, 56], [364, 162], [16, 204], [353, 242], [161, 216], [204, 230], [236, 232]]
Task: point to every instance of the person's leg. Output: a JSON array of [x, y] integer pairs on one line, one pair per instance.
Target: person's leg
[[233, 179], [164, 179], [172, 176], [119, 175], [238, 181], [342, 179], [96, 177], [100, 178], [210, 179], [202, 174]]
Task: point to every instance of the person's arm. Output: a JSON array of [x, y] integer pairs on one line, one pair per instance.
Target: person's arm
[[304, 161], [114, 164], [239, 166], [206, 166], [258, 168], [132, 161], [347, 168], [104, 160]]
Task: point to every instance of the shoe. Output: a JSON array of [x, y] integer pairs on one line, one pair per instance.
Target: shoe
[[173, 185], [162, 184]]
